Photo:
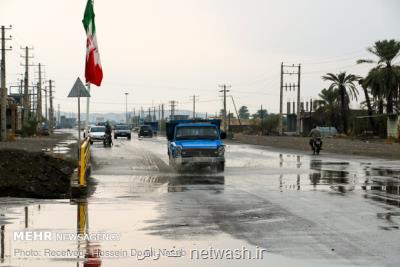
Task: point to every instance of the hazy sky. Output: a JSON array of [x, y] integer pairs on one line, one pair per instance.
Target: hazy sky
[[161, 50]]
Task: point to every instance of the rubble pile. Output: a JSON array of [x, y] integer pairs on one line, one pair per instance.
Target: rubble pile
[[34, 175]]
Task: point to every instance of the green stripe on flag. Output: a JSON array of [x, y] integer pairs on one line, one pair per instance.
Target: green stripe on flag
[[88, 18]]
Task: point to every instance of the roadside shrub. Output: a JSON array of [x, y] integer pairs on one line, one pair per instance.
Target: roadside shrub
[[29, 128]]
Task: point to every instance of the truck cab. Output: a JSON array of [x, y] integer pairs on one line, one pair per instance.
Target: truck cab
[[196, 142]]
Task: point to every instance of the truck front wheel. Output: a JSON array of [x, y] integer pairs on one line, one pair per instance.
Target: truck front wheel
[[221, 167]]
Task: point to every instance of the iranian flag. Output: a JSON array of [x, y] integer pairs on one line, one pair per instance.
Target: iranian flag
[[93, 70]]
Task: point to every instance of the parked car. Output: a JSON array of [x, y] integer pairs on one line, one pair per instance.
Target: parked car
[[43, 129], [97, 133], [122, 130], [145, 130]]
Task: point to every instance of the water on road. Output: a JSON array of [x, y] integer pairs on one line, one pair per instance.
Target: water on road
[[269, 208]]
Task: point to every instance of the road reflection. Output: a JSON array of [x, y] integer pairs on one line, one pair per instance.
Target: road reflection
[[92, 250], [186, 182]]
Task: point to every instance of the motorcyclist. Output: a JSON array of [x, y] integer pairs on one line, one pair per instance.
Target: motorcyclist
[[315, 134], [108, 131]]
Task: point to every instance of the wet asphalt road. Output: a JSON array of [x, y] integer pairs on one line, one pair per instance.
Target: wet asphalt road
[[303, 210]]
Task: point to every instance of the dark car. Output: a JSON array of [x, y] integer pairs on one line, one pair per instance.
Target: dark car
[[122, 130], [43, 129], [145, 130]]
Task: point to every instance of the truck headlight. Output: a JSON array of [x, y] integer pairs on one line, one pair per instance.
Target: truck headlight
[[221, 150], [178, 150]]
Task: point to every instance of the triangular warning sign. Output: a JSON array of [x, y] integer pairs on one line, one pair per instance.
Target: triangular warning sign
[[79, 90]]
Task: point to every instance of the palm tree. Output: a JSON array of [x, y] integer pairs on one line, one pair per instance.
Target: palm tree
[[328, 104], [345, 84], [368, 102], [385, 76]]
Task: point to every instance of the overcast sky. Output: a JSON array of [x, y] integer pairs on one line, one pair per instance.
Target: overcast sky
[[161, 50]]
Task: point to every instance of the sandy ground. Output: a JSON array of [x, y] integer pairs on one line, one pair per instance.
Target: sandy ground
[[59, 144], [346, 146]]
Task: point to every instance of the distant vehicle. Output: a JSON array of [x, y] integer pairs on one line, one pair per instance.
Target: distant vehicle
[[122, 130], [153, 125], [316, 145], [196, 142], [43, 129], [97, 133], [145, 130]]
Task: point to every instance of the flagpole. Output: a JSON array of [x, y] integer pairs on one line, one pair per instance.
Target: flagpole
[[79, 125], [87, 110]]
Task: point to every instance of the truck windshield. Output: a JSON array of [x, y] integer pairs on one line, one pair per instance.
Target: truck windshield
[[122, 127], [196, 132]]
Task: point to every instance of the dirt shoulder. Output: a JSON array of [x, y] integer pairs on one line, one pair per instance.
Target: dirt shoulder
[[38, 167], [345, 146], [59, 144]]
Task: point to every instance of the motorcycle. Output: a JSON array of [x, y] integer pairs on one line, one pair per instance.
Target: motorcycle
[[316, 145], [107, 142]]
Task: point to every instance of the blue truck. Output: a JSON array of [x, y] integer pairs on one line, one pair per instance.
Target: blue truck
[[196, 143]]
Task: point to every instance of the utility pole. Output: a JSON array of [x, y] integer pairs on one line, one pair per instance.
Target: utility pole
[[39, 96], [194, 106], [298, 130], [59, 114], [21, 86], [162, 112], [87, 110], [3, 112], [154, 113], [51, 110], [237, 114], [173, 104], [45, 105], [126, 108], [262, 118], [290, 86], [224, 90], [281, 103], [27, 97]]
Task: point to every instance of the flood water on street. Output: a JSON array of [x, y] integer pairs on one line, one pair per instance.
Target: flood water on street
[[271, 207]]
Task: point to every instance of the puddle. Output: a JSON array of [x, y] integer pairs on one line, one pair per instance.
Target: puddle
[[61, 148], [123, 239]]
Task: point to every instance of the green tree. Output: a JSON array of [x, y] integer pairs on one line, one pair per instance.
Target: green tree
[[384, 78], [345, 84], [260, 114], [244, 112], [328, 105]]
